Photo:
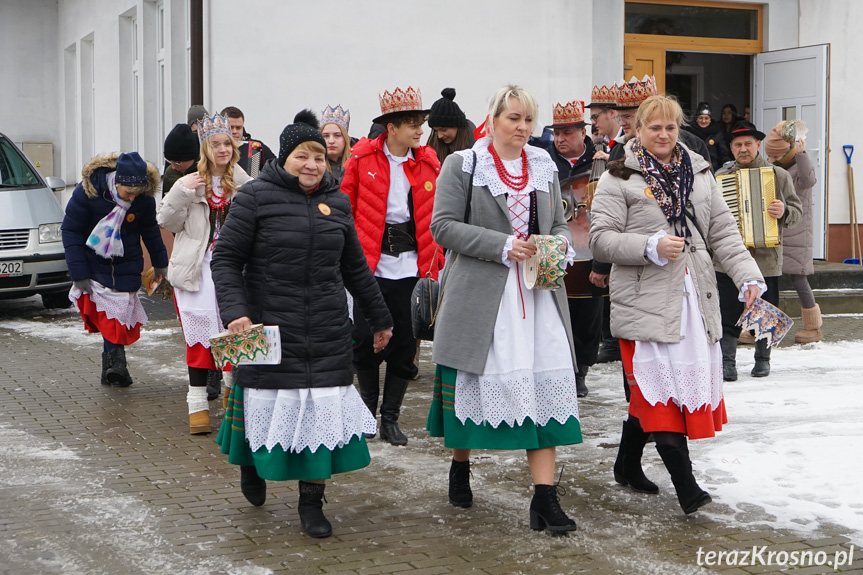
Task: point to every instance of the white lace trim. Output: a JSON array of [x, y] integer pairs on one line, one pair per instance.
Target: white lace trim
[[540, 168], [199, 310], [688, 372], [299, 418], [512, 397], [122, 306]]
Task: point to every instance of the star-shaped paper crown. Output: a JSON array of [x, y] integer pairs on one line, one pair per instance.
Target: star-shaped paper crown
[[336, 115], [571, 113], [409, 100], [215, 124]]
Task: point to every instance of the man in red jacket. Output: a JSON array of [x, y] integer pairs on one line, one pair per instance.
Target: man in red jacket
[[391, 182]]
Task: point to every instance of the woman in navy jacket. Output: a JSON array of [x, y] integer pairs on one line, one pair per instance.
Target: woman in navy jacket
[[111, 210]]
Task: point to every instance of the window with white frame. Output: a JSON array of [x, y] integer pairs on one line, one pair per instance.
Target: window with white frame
[[161, 75]]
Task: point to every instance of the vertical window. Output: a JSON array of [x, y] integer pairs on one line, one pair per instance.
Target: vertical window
[[71, 162], [187, 26], [135, 73], [161, 86], [88, 98]]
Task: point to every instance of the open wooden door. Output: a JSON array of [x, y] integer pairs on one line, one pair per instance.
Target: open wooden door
[[793, 84], [639, 60]]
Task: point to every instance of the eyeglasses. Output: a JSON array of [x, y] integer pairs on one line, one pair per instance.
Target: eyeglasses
[[593, 117], [626, 117]]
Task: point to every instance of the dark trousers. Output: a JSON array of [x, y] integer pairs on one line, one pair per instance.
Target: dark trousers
[[399, 353], [585, 314], [731, 307]]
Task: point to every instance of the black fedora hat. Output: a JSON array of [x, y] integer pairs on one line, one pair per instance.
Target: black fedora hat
[[744, 128]]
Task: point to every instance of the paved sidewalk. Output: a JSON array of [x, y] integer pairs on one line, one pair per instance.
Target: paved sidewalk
[[98, 480]]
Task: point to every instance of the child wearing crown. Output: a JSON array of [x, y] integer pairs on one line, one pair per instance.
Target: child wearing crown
[[391, 183], [195, 210]]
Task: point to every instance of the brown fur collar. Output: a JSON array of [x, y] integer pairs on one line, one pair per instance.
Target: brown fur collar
[[110, 161], [618, 169]]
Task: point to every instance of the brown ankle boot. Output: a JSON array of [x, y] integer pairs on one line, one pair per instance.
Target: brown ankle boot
[[199, 422], [812, 322]]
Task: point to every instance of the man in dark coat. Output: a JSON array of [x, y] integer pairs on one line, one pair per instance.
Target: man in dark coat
[[253, 153]]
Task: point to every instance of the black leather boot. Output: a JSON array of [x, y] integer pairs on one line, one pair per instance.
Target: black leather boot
[[253, 487], [610, 350], [368, 381], [545, 511], [728, 343], [311, 511], [581, 381], [460, 494], [214, 384], [762, 359], [106, 363], [677, 461], [627, 466], [117, 373], [391, 405]]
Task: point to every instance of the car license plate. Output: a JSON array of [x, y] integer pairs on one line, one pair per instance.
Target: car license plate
[[11, 268]]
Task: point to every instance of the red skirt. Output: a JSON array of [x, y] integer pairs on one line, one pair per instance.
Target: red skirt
[[699, 424], [111, 329], [198, 355]]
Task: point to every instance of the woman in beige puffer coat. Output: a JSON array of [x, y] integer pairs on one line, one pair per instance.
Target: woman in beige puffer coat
[[657, 215]]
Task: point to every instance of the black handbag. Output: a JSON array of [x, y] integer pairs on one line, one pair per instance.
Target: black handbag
[[426, 295]]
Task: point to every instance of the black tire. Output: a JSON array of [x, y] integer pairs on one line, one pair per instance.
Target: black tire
[[56, 300]]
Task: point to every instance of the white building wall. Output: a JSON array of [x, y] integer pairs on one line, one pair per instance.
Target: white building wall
[[272, 58], [840, 27], [29, 67]]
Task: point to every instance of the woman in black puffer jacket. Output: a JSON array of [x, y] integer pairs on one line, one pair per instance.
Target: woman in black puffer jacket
[[286, 254]]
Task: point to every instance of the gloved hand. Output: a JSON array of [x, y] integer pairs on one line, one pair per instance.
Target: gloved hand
[[84, 286], [160, 272]]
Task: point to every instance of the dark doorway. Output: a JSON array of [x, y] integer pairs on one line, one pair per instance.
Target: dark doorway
[[717, 79]]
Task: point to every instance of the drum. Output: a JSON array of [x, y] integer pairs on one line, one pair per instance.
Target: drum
[[574, 194], [547, 267], [233, 347]]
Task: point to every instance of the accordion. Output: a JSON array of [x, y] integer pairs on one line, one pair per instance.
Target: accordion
[[748, 192]]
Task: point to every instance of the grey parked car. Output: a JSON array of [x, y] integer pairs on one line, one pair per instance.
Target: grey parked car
[[31, 246]]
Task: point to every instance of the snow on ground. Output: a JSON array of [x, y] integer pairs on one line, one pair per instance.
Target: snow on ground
[[793, 446]]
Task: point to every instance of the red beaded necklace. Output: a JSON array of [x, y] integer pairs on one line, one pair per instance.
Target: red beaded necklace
[[514, 182]]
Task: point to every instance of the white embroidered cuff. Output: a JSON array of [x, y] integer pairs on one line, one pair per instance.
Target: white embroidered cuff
[[650, 251], [507, 247], [570, 253], [761, 285]]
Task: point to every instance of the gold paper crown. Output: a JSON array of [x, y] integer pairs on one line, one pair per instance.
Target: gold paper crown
[[215, 124], [409, 100], [632, 94], [336, 115], [603, 96], [568, 114]]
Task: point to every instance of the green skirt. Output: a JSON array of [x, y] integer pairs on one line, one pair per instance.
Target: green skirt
[[442, 422], [279, 465]]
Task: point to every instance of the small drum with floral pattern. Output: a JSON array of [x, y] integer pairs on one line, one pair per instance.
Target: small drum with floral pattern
[[234, 347], [547, 267]]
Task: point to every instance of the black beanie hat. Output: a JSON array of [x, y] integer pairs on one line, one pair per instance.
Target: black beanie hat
[[445, 113], [304, 129], [181, 144]]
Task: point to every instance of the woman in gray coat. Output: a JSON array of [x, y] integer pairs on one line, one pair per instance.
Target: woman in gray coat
[[505, 377], [657, 216], [784, 146]]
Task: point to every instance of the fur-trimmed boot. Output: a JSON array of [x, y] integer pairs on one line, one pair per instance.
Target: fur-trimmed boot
[[253, 487], [627, 466], [546, 513], [199, 410], [460, 494], [812, 323], [117, 373], [311, 511]]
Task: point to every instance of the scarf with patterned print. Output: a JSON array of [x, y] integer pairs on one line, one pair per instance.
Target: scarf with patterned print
[[670, 183]]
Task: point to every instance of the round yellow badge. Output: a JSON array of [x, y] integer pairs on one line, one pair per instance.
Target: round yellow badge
[[325, 209], [428, 186], [711, 141], [130, 217], [648, 193]]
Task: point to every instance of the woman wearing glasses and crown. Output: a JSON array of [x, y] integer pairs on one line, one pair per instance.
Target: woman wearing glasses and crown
[[195, 210]]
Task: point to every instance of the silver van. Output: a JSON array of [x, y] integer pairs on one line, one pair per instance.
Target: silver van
[[31, 247]]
